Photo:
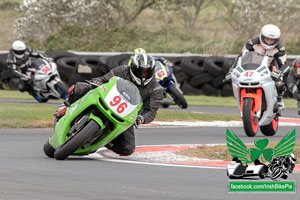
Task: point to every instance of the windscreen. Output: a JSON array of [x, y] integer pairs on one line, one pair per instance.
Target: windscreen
[[251, 60], [37, 63], [129, 91]]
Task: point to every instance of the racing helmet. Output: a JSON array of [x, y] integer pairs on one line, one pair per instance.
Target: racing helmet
[[139, 50], [269, 31], [136, 51], [18, 48], [142, 68], [296, 67]]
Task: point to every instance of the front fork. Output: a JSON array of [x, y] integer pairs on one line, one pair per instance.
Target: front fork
[[257, 97]]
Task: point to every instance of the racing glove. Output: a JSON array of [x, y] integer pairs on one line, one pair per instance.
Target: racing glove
[[139, 120], [277, 75], [228, 75]]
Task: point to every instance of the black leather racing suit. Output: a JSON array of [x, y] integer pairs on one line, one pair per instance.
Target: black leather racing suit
[[152, 95], [293, 84]]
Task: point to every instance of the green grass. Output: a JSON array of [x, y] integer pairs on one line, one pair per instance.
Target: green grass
[[202, 100], [11, 94], [13, 115], [168, 115], [199, 100]]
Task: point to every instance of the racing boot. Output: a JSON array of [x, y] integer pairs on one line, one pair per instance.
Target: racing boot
[[279, 106], [61, 111]]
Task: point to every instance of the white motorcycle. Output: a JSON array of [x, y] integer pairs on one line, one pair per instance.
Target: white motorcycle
[[45, 81], [255, 93]]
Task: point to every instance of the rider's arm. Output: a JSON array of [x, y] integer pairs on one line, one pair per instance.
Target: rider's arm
[[280, 56], [120, 71], [38, 54], [152, 104], [248, 46], [13, 67]]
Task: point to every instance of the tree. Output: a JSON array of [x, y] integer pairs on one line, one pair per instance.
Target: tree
[[186, 11], [44, 17], [247, 17]]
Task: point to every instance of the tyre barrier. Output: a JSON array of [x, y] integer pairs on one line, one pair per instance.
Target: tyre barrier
[[195, 74]]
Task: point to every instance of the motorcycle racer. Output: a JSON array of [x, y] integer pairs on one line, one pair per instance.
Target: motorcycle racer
[[18, 60], [268, 44], [293, 82], [141, 73]]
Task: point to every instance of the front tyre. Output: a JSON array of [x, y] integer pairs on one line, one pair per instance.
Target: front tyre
[[270, 129], [77, 141], [178, 97], [249, 120], [49, 150]]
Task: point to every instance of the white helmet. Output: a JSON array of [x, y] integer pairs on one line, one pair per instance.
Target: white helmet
[[18, 48], [269, 31]]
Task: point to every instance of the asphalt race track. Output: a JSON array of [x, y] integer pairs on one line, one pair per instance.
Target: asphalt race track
[[26, 173]]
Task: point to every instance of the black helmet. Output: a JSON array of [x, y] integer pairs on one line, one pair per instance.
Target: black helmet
[[142, 68]]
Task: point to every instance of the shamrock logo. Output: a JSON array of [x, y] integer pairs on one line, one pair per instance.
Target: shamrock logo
[[256, 153]]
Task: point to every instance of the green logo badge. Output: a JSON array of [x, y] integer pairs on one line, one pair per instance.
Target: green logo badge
[[238, 149]]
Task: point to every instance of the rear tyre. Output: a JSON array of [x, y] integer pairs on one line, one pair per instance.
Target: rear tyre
[[270, 129], [49, 150], [178, 97], [70, 146], [249, 121]]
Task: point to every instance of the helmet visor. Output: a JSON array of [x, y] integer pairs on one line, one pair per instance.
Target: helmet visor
[[21, 52], [143, 72], [269, 41]]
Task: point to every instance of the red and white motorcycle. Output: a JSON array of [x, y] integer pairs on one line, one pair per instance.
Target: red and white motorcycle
[[255, 93]]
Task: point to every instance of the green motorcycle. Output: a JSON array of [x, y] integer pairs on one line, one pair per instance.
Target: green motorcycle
[[95, 119]]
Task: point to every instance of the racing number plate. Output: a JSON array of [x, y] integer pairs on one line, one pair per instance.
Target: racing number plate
[[117, 103], [46, 69], [161, 74]]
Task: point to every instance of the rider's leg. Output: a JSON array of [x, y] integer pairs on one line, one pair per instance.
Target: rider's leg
[[75, 92], [281, 89], [124, 144]]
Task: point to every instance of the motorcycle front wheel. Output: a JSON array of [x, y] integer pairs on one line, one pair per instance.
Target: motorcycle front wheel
[[249, 121], [77, 141], [178, 97], [270, 129]]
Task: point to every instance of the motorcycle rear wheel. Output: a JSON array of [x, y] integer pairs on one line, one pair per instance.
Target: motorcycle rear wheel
[[178, 97], [270, 129], [70, 146], [249, 121]]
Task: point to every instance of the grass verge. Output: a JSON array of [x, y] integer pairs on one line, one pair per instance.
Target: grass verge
[[220, 152], [202, 100], [199, 100], [14, 115]]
